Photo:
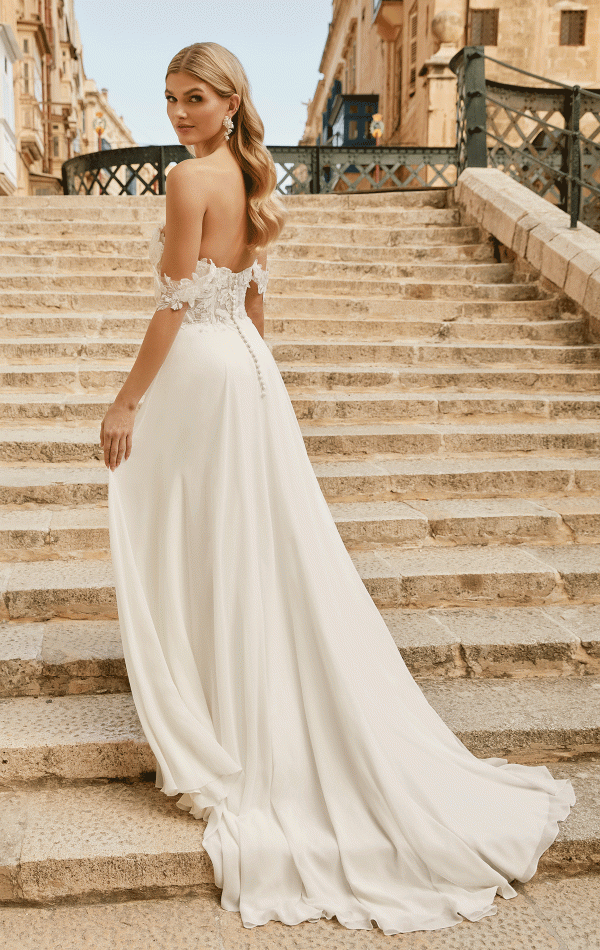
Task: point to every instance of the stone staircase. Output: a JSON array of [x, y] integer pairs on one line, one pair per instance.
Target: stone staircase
[[451, 408]]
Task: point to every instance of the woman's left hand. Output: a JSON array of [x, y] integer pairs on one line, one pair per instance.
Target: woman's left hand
[[116, 434]]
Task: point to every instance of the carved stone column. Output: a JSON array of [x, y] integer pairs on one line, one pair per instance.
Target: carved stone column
[[440, 81]]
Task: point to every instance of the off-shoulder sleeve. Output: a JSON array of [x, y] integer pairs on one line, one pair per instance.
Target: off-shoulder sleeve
[[261, 276], [174, 293]]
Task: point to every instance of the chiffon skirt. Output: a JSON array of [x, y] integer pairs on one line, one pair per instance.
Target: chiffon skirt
[[268, 685]]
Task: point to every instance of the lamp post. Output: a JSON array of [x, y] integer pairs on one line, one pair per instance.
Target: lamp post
[[376, 130], [99, 127]]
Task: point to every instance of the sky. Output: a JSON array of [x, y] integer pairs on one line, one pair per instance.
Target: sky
[[128, 46]]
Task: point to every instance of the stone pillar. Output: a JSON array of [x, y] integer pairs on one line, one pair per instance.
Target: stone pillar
[[440, 81]]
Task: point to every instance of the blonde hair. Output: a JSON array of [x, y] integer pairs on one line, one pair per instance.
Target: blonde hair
[[217, 66]]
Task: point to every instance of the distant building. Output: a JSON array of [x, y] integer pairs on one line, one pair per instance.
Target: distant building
[[48, 105], [391, 57]]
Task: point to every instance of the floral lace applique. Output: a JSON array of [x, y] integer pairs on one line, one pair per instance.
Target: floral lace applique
[[210, 288], [261, 276], [215, 295]]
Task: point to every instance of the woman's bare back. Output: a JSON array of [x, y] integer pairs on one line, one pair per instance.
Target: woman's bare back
[[225, 222]]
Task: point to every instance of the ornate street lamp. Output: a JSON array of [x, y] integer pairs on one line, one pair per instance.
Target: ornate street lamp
[[99, 127], [376, 130]]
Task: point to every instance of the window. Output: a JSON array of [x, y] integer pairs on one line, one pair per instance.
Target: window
[[350, 69], [353, 129], [484, 27], [572, 27], [412, 29], [25, 46], [26, 78], [398, 96], [55, 150]]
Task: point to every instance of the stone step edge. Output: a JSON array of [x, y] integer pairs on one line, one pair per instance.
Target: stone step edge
[[33, 396], [116, 317], [526, 574], [402, 521], [95, 736], [52, 658], [45, 430], [159, 842]]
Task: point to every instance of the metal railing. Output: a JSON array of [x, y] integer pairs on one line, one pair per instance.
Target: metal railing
[[310, 169], [545, 137]]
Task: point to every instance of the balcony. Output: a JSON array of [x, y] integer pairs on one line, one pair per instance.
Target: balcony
[[31, 136], [387, 13], [350, 119]]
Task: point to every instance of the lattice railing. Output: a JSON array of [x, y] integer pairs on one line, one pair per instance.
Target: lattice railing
[[386, 168], [300, 169], [548, 138], [121, 171]]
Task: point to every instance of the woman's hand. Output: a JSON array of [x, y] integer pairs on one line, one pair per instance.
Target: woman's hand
[[116, 433]]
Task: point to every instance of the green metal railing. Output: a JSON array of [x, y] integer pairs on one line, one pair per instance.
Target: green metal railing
[[510, 127], [547, 137], [310, 169]]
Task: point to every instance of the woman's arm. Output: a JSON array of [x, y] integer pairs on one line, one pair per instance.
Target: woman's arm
[[186, 205], [254, 300]]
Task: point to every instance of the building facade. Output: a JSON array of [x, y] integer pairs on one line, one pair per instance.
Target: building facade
[[391, 57], [49, 107]]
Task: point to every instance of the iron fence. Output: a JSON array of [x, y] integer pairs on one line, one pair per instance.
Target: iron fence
[[547, 137], [310, 169], [544, 136]]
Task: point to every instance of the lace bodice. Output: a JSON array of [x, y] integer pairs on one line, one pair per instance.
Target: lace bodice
[[215, 295]]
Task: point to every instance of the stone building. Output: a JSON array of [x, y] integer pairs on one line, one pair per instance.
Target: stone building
[[48, 106], [391, 56]]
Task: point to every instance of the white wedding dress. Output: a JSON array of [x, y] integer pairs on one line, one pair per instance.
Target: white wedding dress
[[266, 681]]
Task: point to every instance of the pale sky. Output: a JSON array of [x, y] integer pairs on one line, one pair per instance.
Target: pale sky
[[127, 48]]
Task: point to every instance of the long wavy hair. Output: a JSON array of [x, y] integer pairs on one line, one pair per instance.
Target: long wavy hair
[[217, 66]]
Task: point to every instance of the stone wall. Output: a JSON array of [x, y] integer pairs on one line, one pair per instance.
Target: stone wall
[[536, 233]]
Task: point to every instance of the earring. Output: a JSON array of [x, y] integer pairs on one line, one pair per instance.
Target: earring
[[229, 126]]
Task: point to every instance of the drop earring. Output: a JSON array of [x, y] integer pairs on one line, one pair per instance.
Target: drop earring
[[229, 126]]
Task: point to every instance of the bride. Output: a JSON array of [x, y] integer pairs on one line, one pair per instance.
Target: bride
[[268, 686]]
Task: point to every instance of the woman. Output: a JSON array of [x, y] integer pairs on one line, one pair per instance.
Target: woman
[[266, 681]]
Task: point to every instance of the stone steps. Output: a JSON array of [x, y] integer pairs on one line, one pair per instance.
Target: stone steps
[[74, 443], [116, 840], [285, 251], [83, 657], [423, 284], [84, 375], [522, 574], [382, 477], [564, 331], [287, 305], [450, 409], [410, 198], [47, 532], [88, 737], [344, 273], [445, 314], [544, 910], [341, 406], [389, 217], [407, 352], [407, 234]]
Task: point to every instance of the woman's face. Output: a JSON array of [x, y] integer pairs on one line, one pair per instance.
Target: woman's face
[[196, 111]]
